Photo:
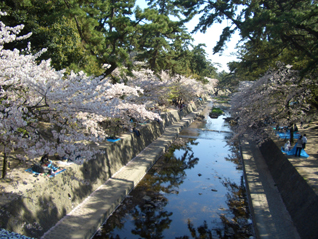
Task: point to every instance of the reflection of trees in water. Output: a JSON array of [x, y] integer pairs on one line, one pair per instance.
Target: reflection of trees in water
[[235, 219], [201, 232], [146, 203], [150, 221], [234, 155], [165, 176], [169, 171], [145, 208], [182, 143]]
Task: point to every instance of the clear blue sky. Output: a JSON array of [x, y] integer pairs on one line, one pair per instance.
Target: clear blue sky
[[209, 39]]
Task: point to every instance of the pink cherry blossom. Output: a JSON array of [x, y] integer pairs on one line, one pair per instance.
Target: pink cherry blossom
[[45, 111], [281, 97]]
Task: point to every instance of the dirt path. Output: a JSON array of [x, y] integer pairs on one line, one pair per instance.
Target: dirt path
[[307, 167]]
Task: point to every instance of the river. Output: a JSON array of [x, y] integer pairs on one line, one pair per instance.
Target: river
[[195, 190]]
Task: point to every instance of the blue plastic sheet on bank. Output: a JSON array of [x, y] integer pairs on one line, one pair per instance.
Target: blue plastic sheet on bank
[[286, 135], [55, 171], [293, 152], [4, 234], [113, 140]]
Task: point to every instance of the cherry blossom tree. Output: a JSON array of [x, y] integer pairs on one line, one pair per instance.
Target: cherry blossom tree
[[185, 89], [44, 111], [156, 88], [162, 88], [279, 97], [211, 85]]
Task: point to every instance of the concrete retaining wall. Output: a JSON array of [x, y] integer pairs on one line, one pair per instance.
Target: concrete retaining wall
[[300, 199], [41, 207]]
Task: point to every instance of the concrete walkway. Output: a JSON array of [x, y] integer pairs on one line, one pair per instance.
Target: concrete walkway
[[270, 217], [86, 218]]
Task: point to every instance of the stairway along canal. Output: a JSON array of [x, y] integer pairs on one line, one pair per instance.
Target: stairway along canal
[[195, 190]]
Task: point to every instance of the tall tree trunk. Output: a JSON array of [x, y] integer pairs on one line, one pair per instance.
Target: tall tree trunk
[[5, 165], [291, 130], [291, 134]]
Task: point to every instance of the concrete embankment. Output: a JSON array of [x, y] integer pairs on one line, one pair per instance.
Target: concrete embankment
[[79, 196], [299, 197], [283, 204], [270, 217]]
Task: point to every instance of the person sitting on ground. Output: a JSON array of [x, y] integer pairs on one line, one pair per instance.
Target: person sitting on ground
[[299, 146], [45, 160], [287, 146]]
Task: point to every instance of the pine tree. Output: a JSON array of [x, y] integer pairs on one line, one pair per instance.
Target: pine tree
[[273, 30], [161, 38]]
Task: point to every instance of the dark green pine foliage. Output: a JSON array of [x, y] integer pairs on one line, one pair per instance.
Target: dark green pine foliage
[[106, 29], [285, 31], [119, 32], [200, 65], [163, 41], [273, 30]]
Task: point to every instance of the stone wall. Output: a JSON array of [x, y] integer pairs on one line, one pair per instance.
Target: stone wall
[[300, 199], [42, 206]]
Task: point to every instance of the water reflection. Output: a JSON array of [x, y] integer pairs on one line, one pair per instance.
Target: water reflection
[[196, 190], [145, 205], [236, 221]]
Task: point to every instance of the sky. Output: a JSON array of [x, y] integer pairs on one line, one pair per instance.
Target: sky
[[210, 38]]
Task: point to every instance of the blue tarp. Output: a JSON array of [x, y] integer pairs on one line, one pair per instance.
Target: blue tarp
[[286, 135], [293, 152], [113, 140], [56, 170], [4, 234]]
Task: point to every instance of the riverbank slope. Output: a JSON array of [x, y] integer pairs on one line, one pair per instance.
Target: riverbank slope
[[32, 205], [283, 189]]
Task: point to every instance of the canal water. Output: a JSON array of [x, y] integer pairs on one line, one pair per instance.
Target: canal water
[[195, 190]]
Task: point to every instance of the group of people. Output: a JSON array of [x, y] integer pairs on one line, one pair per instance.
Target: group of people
[[285, 129], [300, 144]]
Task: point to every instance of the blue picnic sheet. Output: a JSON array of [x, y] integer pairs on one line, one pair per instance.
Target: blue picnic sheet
[[55, 170], [4, 234], [293, 152], [113, 140], [286, 135]]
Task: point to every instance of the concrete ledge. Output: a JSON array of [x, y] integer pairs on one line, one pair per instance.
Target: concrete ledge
[[271, 219], [45, 203], [300, 199]]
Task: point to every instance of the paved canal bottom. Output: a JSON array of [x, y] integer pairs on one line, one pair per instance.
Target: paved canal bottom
[[195, 190]]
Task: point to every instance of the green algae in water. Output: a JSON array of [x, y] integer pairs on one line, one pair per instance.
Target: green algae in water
[[216, 110]]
